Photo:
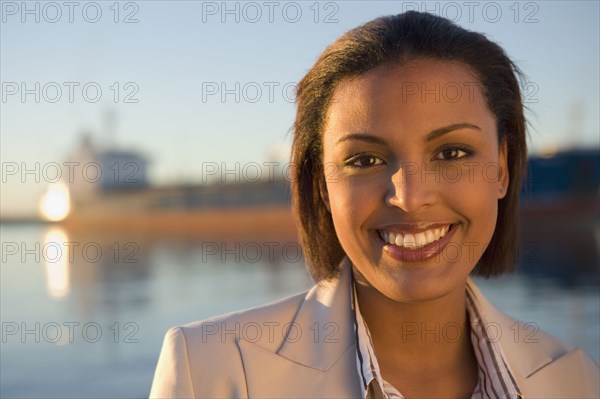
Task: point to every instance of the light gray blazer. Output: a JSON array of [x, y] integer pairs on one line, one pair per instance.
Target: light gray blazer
[[304, 346]]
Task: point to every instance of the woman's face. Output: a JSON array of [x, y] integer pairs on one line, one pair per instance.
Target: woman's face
[[413, 175]]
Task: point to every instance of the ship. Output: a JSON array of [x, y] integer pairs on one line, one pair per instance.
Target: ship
[[113, 194]]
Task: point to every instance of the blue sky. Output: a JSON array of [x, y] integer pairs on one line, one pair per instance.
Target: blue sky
[[178, 50]]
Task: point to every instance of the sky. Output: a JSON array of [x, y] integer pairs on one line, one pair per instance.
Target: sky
[[192, 83]]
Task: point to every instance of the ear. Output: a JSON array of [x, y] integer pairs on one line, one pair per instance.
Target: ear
[[503, 175], [324, 194]]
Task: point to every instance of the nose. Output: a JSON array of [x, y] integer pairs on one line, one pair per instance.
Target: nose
[[411, 190]]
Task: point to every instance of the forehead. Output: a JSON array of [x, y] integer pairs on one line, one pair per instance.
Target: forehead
[[419, 95]]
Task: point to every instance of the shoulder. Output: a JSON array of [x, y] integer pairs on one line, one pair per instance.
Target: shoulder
[[203, 358], [253, 324], [543, 365], [549, 367]]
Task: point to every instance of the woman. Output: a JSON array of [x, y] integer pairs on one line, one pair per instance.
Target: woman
[[409, 150]]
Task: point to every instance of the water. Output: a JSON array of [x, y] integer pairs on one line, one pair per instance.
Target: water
[[87, 319]]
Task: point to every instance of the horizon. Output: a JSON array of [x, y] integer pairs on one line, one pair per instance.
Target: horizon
[[188, 81]]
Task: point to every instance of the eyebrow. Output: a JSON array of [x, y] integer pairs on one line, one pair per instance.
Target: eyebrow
[[434, 134], [447, 129]]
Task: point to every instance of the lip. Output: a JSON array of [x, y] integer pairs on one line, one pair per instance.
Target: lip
[[415, 255]]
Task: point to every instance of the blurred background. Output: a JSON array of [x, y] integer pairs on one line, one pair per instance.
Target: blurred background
[[144, 165]]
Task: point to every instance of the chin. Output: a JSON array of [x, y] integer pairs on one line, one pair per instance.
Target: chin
[[409, 285]]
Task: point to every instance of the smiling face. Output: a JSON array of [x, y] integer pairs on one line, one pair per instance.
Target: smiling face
[[413, 175]]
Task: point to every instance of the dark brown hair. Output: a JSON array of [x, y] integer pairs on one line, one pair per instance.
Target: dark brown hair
[[396, 40]]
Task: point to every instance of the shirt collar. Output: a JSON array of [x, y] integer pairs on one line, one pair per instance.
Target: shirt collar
[[495, 376]]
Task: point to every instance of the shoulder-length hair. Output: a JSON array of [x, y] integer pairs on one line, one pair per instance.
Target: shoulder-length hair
[[396, 40]]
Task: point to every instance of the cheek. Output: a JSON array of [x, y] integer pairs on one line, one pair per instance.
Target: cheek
[[343, 201], [351, 200], [475, 197]]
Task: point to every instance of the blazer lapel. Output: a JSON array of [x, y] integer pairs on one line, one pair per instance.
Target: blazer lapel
[[541, 365], [269, 375], [574, 370], [316, 356], [523, 356]]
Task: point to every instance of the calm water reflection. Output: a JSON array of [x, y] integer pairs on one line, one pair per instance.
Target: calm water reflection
[[85, 316]]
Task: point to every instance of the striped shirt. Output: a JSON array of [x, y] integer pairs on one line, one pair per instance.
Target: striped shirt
[[495, 380]]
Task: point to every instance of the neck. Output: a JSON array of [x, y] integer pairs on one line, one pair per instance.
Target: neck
[[434, 334]]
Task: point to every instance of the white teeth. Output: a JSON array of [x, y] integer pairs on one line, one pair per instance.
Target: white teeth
[[421, 239], [443, 231], [414, 241], [409, 241], [430, 236], [398, 240]]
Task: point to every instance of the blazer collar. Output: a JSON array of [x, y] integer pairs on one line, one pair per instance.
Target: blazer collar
[[323, 321], [517, 339], [316, 356]]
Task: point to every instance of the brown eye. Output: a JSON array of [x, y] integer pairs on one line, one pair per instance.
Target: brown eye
[[451, 153], [365, 161]]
